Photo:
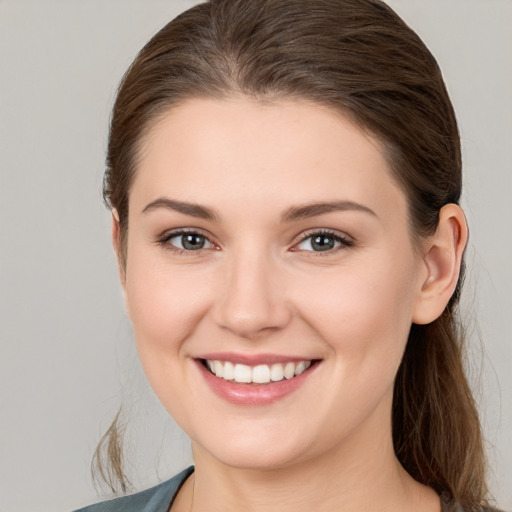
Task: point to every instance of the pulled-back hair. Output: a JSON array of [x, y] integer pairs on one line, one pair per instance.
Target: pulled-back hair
[[359, 58]]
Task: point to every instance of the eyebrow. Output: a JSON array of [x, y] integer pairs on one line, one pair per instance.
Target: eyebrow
[[194, 210], [312, 210], [293, 213]]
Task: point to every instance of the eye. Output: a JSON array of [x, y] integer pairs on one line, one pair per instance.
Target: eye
[[186, 241], [323, 241]]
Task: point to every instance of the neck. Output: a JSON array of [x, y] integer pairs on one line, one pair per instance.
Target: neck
[[357, 476]]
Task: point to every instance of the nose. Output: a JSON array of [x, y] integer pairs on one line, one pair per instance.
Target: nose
[[252, 299]]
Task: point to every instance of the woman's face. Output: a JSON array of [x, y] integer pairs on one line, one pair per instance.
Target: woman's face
[[265, 238]]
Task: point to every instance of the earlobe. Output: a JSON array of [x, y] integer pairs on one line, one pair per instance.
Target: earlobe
[[442, 260]]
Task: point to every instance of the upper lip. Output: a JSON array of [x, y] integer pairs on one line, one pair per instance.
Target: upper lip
[[253, 359]]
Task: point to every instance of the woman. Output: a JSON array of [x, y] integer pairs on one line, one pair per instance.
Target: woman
[[284, 178]]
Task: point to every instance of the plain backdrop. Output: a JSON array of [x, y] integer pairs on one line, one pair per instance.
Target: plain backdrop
[[67, 359]]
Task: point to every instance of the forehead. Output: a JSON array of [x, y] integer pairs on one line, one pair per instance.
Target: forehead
[[217, 151]]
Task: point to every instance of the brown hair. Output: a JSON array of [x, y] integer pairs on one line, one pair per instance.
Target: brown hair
[[360, 58]]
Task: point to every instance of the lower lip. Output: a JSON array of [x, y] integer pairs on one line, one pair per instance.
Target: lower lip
[[254, 394]]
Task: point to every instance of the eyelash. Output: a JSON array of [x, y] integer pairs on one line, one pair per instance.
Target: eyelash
[[344, 241]]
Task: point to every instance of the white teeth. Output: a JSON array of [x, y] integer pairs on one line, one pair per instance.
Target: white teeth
[[243, 373], [260, 374], [302, 366], [276, 372], [289, 370], [229, 371], [218, 368], [298, 369]]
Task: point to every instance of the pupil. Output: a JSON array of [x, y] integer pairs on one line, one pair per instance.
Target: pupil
[[192, 242], [322, 243]]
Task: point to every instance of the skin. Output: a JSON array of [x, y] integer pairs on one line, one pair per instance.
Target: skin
[[258, 286]]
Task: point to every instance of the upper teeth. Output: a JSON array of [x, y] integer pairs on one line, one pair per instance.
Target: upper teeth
[[260, 374]]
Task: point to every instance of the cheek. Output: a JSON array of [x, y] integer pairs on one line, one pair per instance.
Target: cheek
[[364, 313], [164, 306]]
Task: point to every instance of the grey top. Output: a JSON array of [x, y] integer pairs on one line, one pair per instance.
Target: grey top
[[156, 499], [160, 498]]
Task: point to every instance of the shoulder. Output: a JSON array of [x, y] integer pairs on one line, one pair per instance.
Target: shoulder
[[155, 499]]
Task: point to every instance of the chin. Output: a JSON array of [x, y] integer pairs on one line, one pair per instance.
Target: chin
[[255, 454], [260, 460]]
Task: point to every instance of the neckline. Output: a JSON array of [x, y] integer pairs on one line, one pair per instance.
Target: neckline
[[447, 505]]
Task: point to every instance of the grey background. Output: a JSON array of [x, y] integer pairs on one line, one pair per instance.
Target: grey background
[[66, 356]]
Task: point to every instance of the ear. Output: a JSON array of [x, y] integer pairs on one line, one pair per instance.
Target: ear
[[442, 259], [116, 242]]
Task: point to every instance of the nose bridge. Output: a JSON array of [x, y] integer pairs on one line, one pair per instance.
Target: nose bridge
[[253, 298]]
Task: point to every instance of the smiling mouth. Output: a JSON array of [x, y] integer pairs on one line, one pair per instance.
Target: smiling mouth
[[259, 374]]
